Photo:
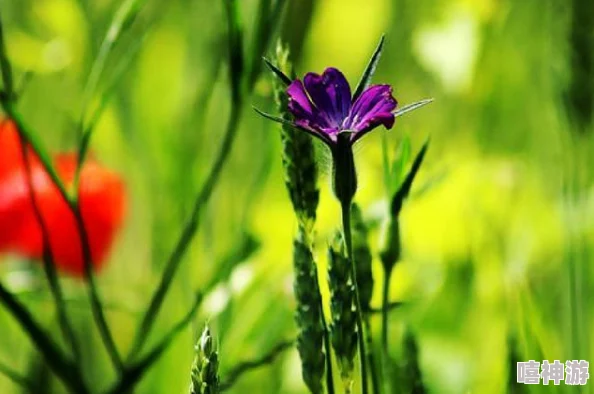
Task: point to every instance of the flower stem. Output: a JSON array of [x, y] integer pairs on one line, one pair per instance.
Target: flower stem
[[93, 291], [385, 310], [49, 265], [60, 364], [375, 383], [329, 372], [346, 224]]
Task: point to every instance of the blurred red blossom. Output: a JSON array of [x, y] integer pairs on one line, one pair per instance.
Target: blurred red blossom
[[101, 198]]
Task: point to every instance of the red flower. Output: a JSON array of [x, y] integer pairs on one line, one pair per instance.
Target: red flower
[[101, 196]]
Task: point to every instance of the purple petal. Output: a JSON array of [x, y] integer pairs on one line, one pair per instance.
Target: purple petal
[[331, 94], [327, 134], [307, 115], [299, 103], [373, 108]]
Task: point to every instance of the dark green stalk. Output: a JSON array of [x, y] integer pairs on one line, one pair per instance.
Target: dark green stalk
[[31, 139], [346, 224], [580, 95], [6, 68], [8, 101], [133, 372], [93, 292], [390, 256], [386, 365], [385, 310], [49, 264], [363, 260], [328, 354], [391, 306], [375, 379], [57, 361]]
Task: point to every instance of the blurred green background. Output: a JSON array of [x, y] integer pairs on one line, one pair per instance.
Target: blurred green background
[[498, 232]]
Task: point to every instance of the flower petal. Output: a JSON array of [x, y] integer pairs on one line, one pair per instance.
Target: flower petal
[[101, 197], [306, 115], [299, 103], [10, 145], [331, 94], [373, 108]]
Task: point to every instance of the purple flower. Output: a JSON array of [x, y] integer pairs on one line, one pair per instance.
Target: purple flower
[[323, 106]]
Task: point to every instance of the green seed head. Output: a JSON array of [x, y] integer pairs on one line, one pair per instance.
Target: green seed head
[[343, 326], [310, 340], [205, 378], [363, 257], [301, 171]]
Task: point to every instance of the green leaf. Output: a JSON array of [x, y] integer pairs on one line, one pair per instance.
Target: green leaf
[[397, 172], [277, 72], [405, 187], [411, 107], [370, 69], [274, 118], [235, 42]]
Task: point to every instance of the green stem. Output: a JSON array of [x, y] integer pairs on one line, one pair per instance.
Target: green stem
[[31, 139], [385, 322], [329, 372], [122, 20], [375, 381], [133, 372], [56, 360], [49, 264], [346, 224], [93, 291], [385, 309]]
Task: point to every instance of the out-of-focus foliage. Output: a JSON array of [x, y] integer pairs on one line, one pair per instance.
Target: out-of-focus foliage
[[497, 234]]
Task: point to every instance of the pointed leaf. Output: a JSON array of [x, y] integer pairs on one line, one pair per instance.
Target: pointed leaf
[[277, 72], [404, 189], [274, 118], [369, 70], [401, 159], [411, 107]]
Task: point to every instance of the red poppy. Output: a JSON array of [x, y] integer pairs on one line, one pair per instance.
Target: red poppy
[[101, 196]]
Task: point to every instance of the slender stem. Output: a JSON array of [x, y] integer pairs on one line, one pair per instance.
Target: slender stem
[[49, 264], [392, 305], [31, 139], [385, 309], [93, 291], [56, 360], [16, 377], [134, 372], [121, 21], [346, 224], [187, 235], [375, 381], [329, 371]]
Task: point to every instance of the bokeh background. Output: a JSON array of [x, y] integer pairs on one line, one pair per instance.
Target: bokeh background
[[498, 232]]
